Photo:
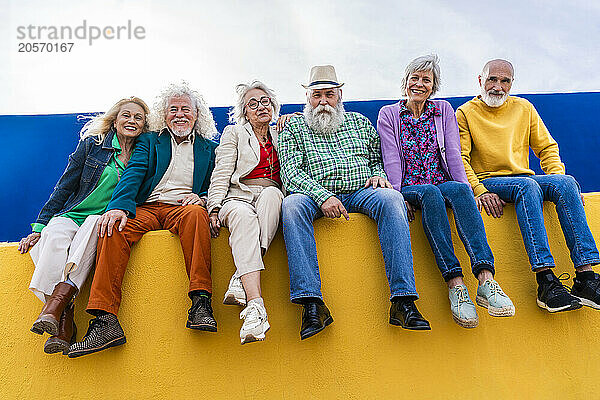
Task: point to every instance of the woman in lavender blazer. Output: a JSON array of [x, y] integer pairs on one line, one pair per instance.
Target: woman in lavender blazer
[[421, 154]]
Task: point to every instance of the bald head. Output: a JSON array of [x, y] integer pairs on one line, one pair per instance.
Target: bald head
[[498, 65], [496, 80]]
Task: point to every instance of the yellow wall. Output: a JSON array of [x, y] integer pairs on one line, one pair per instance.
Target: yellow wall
[[533, 355]]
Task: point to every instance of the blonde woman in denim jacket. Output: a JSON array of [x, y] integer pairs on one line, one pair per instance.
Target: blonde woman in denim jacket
[[64, 237]]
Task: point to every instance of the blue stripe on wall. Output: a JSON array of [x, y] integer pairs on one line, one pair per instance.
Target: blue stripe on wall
[[35, 149]]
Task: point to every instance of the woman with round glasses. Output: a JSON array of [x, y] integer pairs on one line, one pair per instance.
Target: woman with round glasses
[[245, 196]]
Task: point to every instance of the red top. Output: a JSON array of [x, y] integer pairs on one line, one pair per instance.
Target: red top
[[268, 166]]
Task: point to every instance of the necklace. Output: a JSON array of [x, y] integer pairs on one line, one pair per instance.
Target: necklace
[[269, 156]]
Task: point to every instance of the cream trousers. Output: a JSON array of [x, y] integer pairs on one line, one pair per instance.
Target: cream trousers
[[64, 249], [252, 226]]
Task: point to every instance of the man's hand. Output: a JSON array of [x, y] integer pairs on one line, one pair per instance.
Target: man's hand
[[333, 208], [28, 242], [283, 119], [192, 198], [378, 181], [492, 203], [109, 219], [410, 211], [214, 224]]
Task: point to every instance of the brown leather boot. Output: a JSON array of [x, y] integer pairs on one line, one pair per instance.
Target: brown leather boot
[[67, 333], [48, 319]]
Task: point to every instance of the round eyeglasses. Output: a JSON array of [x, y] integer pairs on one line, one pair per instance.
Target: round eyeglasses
[[253, 103]]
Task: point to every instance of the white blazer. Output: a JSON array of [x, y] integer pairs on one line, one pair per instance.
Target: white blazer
[[237, 155]]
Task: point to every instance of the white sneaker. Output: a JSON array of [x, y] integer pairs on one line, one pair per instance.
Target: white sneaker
[[235, 294], [255, 323]]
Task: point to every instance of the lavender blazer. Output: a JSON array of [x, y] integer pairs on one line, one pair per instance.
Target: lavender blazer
[[446, 127]]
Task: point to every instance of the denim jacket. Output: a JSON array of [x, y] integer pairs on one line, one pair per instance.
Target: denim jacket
[[81, 176]]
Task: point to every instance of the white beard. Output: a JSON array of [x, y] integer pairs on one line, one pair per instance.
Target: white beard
[[324, 119], [495, 99]]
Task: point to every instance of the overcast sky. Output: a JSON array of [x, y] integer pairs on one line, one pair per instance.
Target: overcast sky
[[217, 44]]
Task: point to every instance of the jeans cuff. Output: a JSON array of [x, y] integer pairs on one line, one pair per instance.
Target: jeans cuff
[[534, 268], [593, 261], [477, 268], [400, 294], [299, 298], [453, 273]]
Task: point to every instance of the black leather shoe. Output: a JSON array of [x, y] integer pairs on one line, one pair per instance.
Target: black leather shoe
[[315, 317], [404, 313]]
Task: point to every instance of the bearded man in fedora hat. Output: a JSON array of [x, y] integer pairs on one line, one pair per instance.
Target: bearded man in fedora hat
[[331, 165]]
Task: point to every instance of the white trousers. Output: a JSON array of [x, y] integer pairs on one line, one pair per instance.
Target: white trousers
[[252, 226], [64, 249]]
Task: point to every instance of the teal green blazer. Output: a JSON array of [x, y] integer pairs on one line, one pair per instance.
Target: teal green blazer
[[148, 164]]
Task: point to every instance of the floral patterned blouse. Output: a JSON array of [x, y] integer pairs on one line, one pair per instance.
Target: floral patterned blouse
[[420, 148]]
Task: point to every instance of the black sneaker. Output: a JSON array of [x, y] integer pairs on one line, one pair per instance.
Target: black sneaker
[[587, 291], [554, 296], [103, 332], [200, 315]]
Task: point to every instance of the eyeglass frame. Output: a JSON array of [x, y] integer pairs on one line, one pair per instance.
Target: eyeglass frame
[[259, 102]]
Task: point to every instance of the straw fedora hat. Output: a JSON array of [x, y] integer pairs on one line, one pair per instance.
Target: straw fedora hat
[[322, 77]]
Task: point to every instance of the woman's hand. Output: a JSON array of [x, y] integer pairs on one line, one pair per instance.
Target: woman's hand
[[283, 119], [215, 224], [28, 242]]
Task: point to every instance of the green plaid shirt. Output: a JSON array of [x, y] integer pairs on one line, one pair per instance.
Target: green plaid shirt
[[320, 165]]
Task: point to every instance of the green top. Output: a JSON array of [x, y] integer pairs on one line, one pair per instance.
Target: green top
[[97, 201], [321, 165]]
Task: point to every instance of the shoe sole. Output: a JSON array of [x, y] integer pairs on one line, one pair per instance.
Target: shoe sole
[[397, 322], [112, 343], [572, 306], [250, 337], [588, 303], [326, 323], [45, 324], [201, 327], [231, 300], [56, 345], [494, 311], [466, 323]]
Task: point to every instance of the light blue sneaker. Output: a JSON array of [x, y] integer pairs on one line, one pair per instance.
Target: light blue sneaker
[[491, 296], [463, 309]]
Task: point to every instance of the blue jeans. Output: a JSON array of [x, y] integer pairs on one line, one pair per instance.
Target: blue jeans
[[528, 192], [385, 206], [432, 200]]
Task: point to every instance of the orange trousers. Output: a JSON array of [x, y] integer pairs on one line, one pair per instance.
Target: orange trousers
[[189, 222]]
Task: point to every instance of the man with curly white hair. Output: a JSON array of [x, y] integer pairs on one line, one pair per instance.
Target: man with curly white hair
[[331, 164], [163, 187]]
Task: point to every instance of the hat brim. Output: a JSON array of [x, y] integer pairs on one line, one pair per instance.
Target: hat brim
[[322, 86]]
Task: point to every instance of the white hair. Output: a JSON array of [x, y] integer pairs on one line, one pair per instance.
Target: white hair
[[429, 62], [205, 124], [237, 114]]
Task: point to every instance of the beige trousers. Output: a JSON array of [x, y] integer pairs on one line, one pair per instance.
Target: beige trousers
[[252, 226], [64, 249]]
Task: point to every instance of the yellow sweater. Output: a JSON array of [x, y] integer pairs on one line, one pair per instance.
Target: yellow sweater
[[495, 141]]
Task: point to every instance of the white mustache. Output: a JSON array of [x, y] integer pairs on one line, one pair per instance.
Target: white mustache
[[496, 92], [323, 108]]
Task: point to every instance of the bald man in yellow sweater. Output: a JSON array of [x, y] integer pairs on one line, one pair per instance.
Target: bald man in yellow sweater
[[496, 132]]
